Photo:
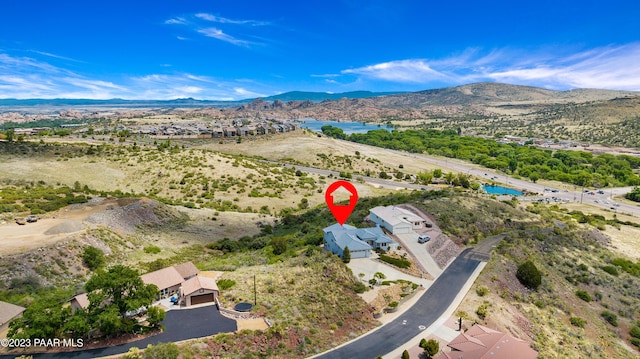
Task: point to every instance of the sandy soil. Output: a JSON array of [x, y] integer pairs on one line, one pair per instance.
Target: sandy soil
[[252, 324], [626, 240], [48, 230]]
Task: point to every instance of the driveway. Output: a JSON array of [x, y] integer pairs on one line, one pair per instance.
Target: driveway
[[409, 241], [179, 325], [420, 316]]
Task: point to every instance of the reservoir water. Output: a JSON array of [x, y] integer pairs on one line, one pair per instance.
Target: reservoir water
[[346, 126], [495, 189]]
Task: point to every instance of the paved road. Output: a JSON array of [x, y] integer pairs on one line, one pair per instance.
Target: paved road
[[180, 325], [425, 312], [605, 200]]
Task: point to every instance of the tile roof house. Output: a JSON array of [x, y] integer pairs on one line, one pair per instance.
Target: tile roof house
[[199, 290], [80, 301], [8, 311], [359, 240], [395, 219], [481, 342], [187, 270], [168, 280]]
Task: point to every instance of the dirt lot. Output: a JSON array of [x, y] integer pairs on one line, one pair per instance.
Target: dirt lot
[[50, 229]]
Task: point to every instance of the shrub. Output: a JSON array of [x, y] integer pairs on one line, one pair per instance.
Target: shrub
[[577, 322], [398, 262], [583, 295], [635, 332], [627, 266], [405, 355], [529, 275], [393, 305], [155, 315], [482, 291], [152, 249], [226, 283], [610, 317], [635, 341], [161, 351], [279, 245], [359, 287], [431, 348], [611, 270], [482, 310], [93, 257]]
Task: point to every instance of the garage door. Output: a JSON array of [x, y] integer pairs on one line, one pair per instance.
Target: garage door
[[205, 298]]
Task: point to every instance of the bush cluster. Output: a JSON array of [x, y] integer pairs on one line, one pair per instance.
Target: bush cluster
[[398, 262]]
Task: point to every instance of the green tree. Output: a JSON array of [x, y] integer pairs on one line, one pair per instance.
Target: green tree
[[437, 173], [115, 292], [44, 318], [155, 315], [279, 245], [346, 255], [529, 275], [405, 355], [534, 177], [431, 347], [93, 258]]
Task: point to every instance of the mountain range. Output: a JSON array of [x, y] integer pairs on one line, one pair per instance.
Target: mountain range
[[484, 93]]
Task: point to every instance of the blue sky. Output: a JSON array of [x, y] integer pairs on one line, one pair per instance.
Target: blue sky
[[228, 50]]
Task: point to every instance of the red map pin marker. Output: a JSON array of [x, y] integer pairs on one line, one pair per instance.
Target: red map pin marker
[[341, 212]]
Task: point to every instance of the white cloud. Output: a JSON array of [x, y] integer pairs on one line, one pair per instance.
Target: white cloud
[[25, 78], [610, 67], [222, 20], [413, 71], [218, 34], [244, 93], [176, 21]]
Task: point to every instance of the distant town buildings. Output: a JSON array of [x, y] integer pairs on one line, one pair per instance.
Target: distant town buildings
[[218, 129]]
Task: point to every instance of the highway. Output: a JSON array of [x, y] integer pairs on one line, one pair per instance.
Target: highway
[[567, 192]]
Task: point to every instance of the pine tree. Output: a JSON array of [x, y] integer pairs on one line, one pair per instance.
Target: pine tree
[[346, 255]]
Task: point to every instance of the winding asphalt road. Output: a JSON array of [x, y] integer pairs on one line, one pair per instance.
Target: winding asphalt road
[[179, 325], [422, 314]]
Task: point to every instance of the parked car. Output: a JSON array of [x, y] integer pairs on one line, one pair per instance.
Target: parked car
[[600, 191], [423, 238]]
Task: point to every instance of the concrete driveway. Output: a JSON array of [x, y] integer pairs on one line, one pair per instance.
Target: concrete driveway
[[369, 266], [409, 241]]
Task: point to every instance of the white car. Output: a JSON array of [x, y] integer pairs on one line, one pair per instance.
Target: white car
[[423, 238]]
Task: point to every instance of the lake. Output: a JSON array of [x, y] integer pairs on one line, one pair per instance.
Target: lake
[[501, 190], [346, 126]]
